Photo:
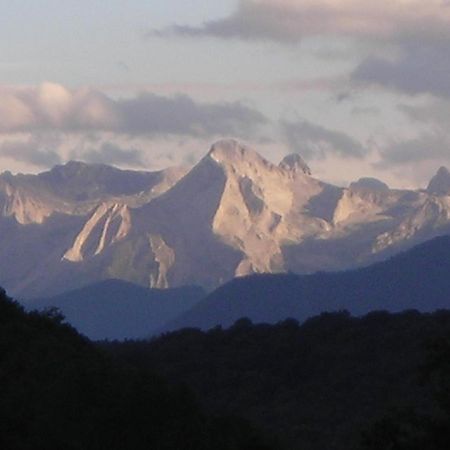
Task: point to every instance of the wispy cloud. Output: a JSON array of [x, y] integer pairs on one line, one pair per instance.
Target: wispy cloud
[[421, 68], [431, 143], [416, 32], [316, 142], [289, 21], [35, 150], [425, 147]]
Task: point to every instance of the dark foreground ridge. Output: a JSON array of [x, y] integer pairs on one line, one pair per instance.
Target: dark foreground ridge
[[58, 391], [333, 383]]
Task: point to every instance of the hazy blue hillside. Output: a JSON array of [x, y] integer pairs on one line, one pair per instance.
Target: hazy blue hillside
[[115, 309], [417, 279]]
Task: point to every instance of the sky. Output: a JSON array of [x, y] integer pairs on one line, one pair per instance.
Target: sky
[[358, 88]]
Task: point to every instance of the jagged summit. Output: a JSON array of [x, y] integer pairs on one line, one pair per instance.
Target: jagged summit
[[294, 162], [440, 183], [234, 153]]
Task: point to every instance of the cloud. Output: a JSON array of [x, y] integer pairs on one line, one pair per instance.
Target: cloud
[[430, 145], [425, 147], [416, 31], [289, 21], [365, 111], [433, 113], [37, 151], [52, 107], [421, 68], [110, 153], [180, 115], [316, 142]]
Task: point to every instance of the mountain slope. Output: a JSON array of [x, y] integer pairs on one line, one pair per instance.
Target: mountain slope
[[44, 218], [417, 279], [233, 214], [115, 309]]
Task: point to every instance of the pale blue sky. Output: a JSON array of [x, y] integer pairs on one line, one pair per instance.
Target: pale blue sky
[[91, 42], [341, 76]]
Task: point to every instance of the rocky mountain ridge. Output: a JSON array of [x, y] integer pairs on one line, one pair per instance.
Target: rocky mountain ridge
[[232, 214]]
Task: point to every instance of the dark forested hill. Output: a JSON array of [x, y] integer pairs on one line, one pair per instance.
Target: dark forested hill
[[116, 309], [57, 391], [417, 279], [319, 385]]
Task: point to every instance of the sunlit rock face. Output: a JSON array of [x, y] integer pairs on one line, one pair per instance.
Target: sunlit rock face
[[234, 213]]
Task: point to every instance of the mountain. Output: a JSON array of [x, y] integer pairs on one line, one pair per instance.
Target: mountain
[[115, 309], [416, 279], [233, 214], [440, 183]]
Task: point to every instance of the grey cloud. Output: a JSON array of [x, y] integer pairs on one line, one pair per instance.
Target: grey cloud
[[435, 113], [52, 107], [316, 142], [431, 144], [418, 30], [420, 69], [365, 111], [426, 147], [291, 20], [251, 21], [110, 153], [180, 115], [34, 151]]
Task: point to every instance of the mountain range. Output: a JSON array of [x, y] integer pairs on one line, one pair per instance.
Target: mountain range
[[417, 279], [232, 214]]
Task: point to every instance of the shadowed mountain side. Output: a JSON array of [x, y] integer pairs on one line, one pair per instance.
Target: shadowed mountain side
[[115, 309], [417, 279], [27, 252], [181, 220]]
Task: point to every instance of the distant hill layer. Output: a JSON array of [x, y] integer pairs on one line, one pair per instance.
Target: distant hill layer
[[115, 309], [416, 279]]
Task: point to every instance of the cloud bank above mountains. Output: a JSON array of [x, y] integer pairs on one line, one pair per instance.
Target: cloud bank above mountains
[[342, 82], [397, 46], [52, 107]]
